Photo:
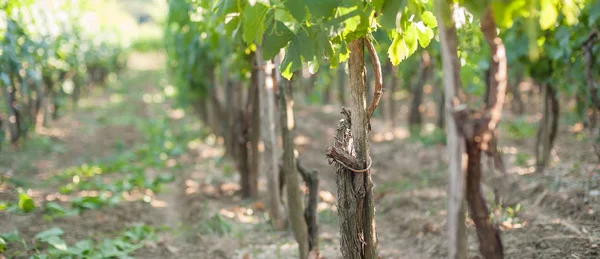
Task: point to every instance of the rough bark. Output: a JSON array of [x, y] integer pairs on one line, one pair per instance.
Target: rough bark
[[242, 153], [589, 63], [294, 197], [489, 238], [415, 119], [37, 113], [341, 82], [255, 129], [457, 239], [592, 87], [8, 91], [517, 105], [230, 111], [391, 101], [326, 93], [441, 115], [548, 127], [268, 135], [311, 179], [249, 179], [355, 190], [479, 130]]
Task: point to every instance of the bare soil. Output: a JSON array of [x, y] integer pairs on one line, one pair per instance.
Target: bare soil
[[204, 217]]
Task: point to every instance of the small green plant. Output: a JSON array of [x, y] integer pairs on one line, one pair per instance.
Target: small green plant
[[521, 159], [507, 215], [433, 138], [519, 128], [50, 244], [215, 225]]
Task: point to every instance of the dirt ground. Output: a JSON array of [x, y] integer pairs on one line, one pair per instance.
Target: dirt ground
[[559, 215]]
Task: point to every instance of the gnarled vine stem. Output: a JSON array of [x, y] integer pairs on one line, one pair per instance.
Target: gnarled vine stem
[[378, 78]]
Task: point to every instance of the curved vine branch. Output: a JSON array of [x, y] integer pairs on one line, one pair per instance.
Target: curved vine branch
[[378, 78]]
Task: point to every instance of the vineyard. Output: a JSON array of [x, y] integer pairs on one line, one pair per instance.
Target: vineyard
[[299, 129]]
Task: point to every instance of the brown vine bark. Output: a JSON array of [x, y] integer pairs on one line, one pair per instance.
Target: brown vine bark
[[311, 179], [480, 135], [355, 190], [341, 82], [592, 86], [441, 115], [294, 197], [391, 101], [250, 136], [268, 137], [8, 91], [415, 120], [548, 127], [456, 231]]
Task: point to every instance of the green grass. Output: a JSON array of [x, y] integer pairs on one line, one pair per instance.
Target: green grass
[[50, 244]]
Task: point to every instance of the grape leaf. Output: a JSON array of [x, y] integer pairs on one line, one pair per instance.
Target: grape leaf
[[548, 15], [389, 13], [254, 22], [378, 4], [305, 39], [398, 50], [292, 61], [297, 9], [278, 36], [429, 19], [410, 38], [321, 8], [425, 34]]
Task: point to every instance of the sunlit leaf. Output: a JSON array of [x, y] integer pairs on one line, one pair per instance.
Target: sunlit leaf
[[429, 19], [548, 14], [410, 38], [26, 204], [398, 50], [425, 34]]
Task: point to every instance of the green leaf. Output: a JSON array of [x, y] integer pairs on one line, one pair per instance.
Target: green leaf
[[57, 243], [305, 39], [81, 248], [410, 38], [390, 12], [254, 22], [548, 14], [2, 244], [26, 204], [279, 36], [352, 22], [10, 236], [321, 8], [425, 35], [429, 19], [5, 79], [292, 60], [377, 4], [397, 50], [44, 235], [297, 9], [232, 25]]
